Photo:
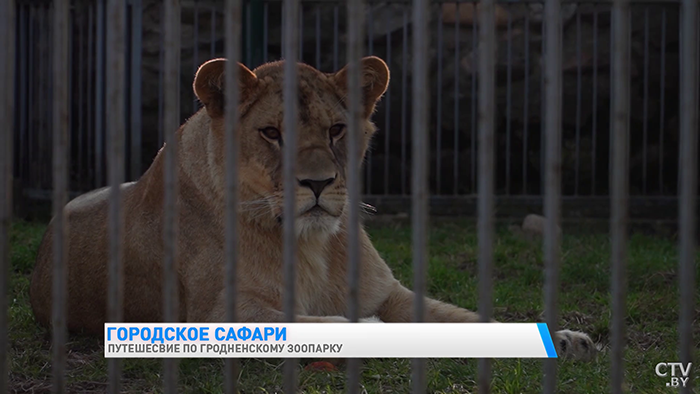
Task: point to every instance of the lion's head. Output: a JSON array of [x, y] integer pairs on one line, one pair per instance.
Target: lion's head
[[322, 163]]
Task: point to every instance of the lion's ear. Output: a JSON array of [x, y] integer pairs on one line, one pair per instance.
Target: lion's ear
[[374, 76], [209, 85]]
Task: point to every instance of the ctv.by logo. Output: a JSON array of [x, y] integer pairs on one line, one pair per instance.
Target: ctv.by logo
[[662, 369]]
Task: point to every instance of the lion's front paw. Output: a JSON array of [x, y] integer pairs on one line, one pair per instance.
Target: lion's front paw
[[574, 345], [372, 319]]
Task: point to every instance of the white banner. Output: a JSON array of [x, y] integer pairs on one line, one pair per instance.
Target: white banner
[[328, 340]]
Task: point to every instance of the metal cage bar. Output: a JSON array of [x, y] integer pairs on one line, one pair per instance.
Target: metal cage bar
[[486, 173], [113, 17], [171, 120], [7, 81], [619, 201], [419, 182], [289, 157], [689, 179], [116, 47], [232, 141], [552, 190], [61, 121], [135, 89], [355, 48]]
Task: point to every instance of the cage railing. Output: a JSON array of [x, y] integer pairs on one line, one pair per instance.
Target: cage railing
[[519, 169], [116, 122]]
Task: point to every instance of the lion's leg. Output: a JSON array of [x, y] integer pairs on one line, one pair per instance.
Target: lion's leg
[[252, 310], [398, 307]]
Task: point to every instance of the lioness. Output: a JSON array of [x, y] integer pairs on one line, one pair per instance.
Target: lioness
[[322, 206]]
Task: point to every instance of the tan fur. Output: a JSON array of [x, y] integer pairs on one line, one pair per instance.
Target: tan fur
[[321, 282]]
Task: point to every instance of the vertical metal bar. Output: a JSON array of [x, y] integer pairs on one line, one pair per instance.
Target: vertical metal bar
[[662, 101], [474, 99], [22, 80], [60, 189], [24, 88], [248, 9], [404, 95], [552, 190], [689, 179], [301, 32], [212, 33], [542, 110], [232, 22], [368, 157], [579, 88], [438, 125], [71, 91], [290, 94], [318, 37], [645, 102], [486, 114], [509, 106], [526, 95], [335, 38], [99, 93], [265, 29], [455, 163], [387, 115], [594, 114], [44, 104], [195, 49], [30, 110], [355, 48], [47, 100], [7, 79], [419, 183], [161, 57], [619, 186], [116, 48], [135, 89], [79, 25], [284, 10], [171, 119]]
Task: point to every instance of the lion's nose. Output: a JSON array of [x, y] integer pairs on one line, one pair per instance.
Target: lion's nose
[[315, 185]]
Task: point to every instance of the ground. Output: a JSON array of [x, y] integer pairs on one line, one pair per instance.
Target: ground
[[652, 315]]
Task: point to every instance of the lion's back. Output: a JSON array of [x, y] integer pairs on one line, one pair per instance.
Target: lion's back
[[87, 235]]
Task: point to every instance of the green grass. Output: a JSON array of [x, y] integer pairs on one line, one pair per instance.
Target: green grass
[[652, 314]]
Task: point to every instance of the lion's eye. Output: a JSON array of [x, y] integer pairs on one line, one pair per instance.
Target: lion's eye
[[336, 131], [271, 133]]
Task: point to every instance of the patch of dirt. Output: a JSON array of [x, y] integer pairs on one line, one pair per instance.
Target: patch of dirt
[[644, 340]]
